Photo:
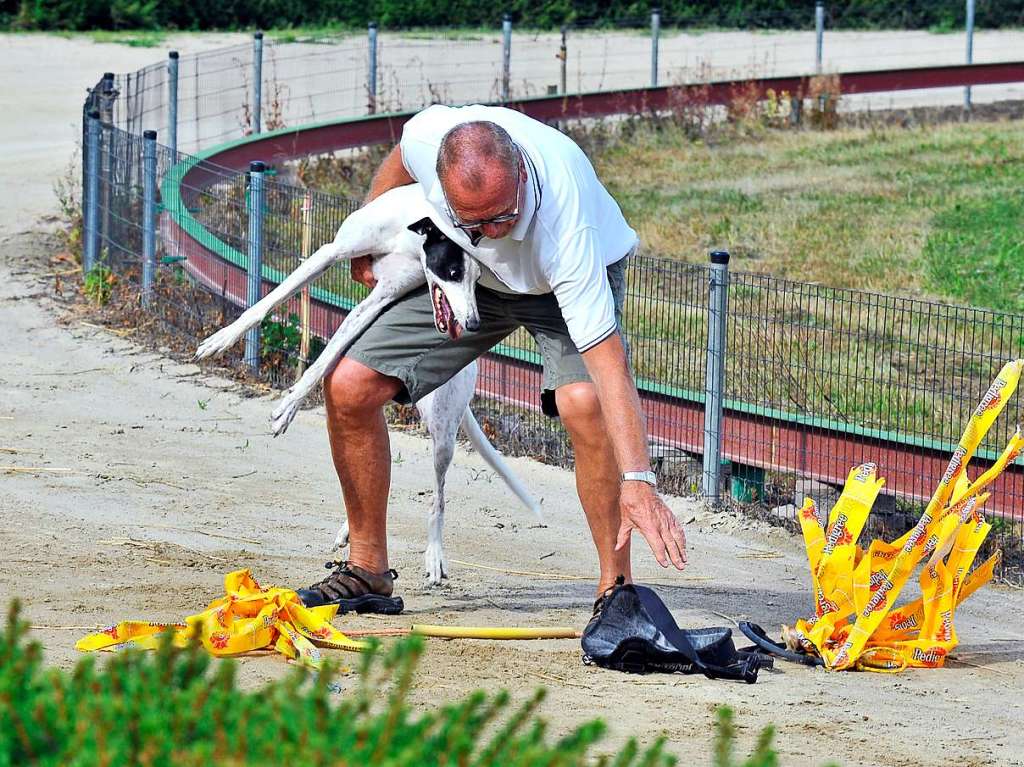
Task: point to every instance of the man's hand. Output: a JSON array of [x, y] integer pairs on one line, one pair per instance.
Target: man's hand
[[362, 271], [642, 509]]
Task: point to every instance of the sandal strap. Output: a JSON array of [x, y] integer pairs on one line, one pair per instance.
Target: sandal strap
[[346, 583]]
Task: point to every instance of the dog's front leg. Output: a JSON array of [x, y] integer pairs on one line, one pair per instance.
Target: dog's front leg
[[442, 424], [341, 539], [441, 411]]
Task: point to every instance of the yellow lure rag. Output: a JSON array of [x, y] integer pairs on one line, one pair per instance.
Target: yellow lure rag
[[248, 618]]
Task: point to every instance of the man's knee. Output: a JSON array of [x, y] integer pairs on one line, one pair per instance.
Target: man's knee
[[353, 388], [579, 407]]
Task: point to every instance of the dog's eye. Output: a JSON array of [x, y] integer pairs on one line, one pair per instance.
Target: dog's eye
[[453, 273]]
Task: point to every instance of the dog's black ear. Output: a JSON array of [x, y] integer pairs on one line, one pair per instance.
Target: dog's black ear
[[422, 226]]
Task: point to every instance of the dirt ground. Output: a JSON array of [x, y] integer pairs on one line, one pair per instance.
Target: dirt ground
[[160, 478]]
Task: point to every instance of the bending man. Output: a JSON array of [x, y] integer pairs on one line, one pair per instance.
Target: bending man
[[560, 245]]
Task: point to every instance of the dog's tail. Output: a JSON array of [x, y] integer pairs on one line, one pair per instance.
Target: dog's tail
[[484, 447]]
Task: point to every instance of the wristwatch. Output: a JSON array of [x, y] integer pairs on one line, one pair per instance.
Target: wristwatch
[[641, 476]]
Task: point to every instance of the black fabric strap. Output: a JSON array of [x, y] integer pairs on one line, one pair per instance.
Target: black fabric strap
[[745, 670], [757, 635]]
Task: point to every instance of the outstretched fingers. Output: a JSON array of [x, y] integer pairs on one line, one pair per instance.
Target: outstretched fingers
[[659, 527]]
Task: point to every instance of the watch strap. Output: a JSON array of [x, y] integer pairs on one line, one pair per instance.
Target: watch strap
[[641, 476]]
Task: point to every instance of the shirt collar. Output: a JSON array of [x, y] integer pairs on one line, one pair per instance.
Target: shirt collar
[[522, 225]]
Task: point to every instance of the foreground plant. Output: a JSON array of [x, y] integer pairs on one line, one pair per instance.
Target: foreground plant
[[170, 707]]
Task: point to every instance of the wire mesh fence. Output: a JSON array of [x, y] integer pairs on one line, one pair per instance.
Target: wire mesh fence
[[331, 77], [817, 379]]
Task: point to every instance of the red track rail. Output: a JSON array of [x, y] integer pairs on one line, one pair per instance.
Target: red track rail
[[769, 443]]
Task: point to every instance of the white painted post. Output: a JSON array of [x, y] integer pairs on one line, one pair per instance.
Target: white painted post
[[172, 104], [371, 85], [819, 26], [257, 80], [92, 195], [148, 214], [655, 34], [506, 56]]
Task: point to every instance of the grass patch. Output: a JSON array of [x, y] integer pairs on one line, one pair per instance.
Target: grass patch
[[884, 209], [140, 38], [976, 251]]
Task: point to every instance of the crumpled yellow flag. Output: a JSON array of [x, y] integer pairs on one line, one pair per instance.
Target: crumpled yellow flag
[[854, 625], [248, 618]]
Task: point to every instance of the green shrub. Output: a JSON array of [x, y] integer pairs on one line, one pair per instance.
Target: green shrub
[[179, 707], [281, 340], [98, 284], [535, 14]]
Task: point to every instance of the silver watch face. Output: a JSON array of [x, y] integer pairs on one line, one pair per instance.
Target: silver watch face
[[641, 476]]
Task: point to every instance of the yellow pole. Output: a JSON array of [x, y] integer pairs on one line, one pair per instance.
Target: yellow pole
[[307, 251]]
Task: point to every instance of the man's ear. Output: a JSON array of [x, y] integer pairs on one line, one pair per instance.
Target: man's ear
[[421, 226]]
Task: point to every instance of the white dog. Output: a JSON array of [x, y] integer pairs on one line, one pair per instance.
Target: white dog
[[406, 255]]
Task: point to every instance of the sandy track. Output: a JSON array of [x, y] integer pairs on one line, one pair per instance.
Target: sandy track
[[206, 489], [200, 491]]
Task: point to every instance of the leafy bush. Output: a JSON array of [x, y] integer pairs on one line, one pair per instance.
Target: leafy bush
[[98, 284], [282, 340], [537, 14], [170, 707]]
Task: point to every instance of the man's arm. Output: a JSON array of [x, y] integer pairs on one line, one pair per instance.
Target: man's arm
[[389, 175], [639, 503]]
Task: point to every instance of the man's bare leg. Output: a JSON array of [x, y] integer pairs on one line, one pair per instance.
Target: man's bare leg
[[597, 476], [355, 396]]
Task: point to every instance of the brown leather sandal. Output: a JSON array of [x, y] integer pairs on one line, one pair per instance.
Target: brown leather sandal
[[354, 589]]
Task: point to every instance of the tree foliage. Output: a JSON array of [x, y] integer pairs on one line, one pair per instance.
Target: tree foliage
[[544, 14]]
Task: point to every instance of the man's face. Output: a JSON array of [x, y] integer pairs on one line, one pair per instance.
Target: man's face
[[491, 210]]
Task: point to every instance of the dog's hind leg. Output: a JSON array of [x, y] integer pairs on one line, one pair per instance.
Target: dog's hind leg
[[372, 229], [306, 272]]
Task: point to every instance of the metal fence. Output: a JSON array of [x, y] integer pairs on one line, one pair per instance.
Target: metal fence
[[813, 380], [200, 100]]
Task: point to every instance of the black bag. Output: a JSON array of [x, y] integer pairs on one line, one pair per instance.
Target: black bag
[[635, 632]]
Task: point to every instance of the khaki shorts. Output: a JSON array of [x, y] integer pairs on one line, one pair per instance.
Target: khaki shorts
[[404, 344]]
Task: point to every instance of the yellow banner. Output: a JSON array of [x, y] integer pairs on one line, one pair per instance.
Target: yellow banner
[[855, 625]]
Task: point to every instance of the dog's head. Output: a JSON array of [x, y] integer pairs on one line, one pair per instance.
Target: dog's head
[[451, 279]]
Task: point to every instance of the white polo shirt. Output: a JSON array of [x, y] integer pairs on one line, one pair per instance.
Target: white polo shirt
[[569, 228]]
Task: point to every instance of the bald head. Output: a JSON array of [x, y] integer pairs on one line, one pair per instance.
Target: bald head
[[481, 173], [477, 155]]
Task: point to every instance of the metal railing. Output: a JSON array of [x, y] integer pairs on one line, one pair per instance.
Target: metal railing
[[200, 100], [803, 381]]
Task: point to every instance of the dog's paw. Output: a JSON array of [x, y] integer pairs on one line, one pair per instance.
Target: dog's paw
[[435, 564], [341, 539], [219, 342], [283, 414]]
